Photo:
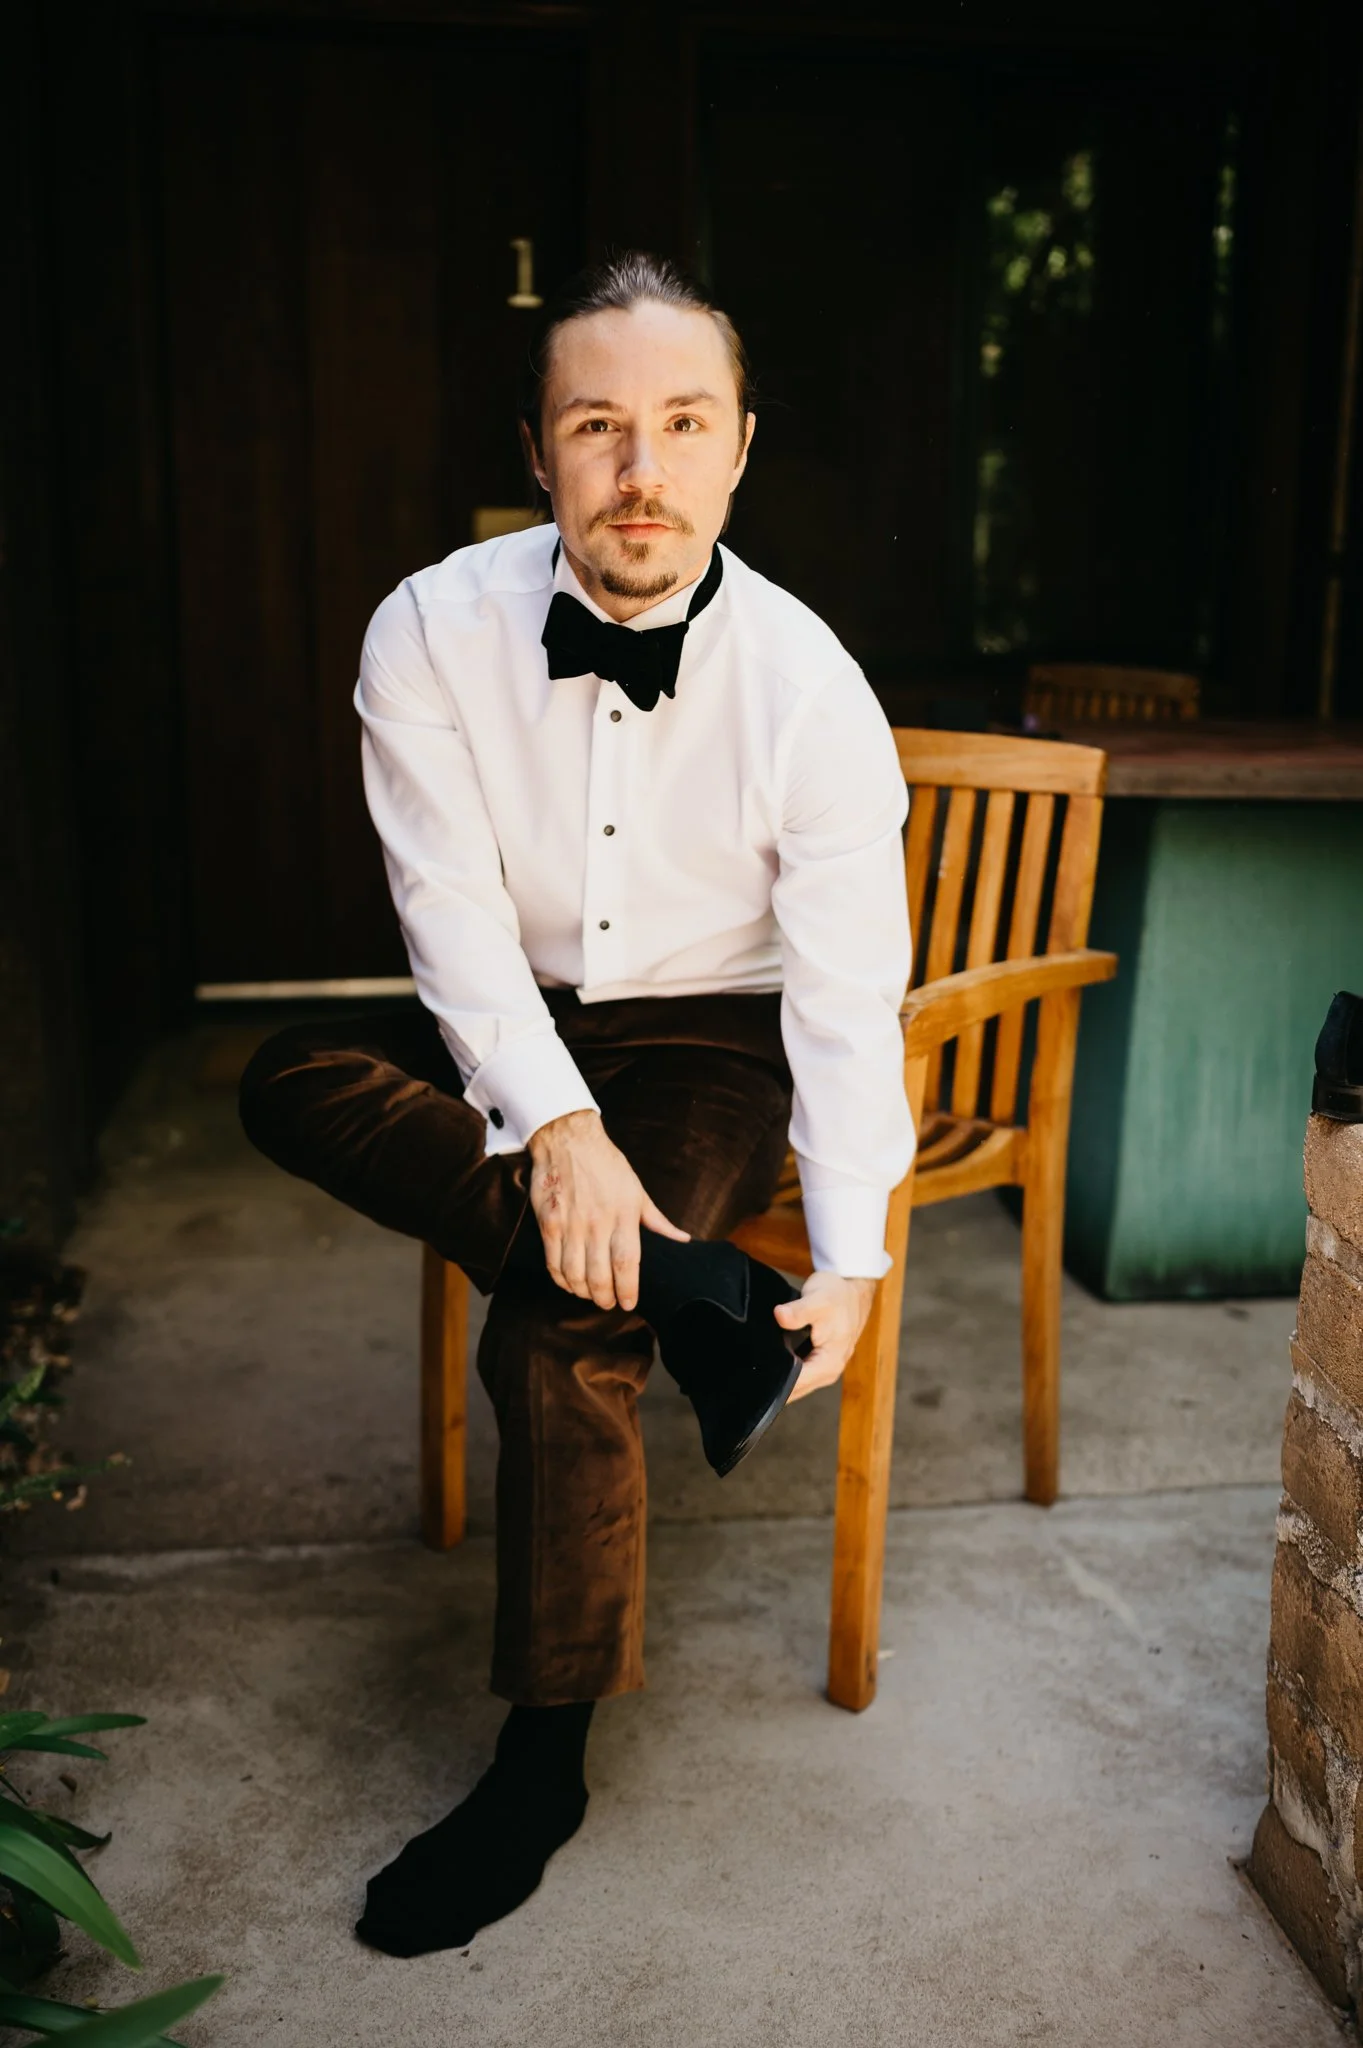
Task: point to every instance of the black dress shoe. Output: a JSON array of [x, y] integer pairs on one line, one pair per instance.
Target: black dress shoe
[[1338, 1089], [732, 1359]]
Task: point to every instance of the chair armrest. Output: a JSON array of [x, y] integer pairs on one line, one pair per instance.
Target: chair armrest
[[942, 1009]]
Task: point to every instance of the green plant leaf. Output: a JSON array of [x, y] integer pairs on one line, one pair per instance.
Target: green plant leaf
[[129, 2026], [90, 1724], [31, 1820], [22, 1390], [54, 1875], [18, 1724], [58, 1745], [66, 1831], [42, 1483]]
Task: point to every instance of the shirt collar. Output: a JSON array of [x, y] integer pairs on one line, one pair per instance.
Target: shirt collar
[[670, 611]]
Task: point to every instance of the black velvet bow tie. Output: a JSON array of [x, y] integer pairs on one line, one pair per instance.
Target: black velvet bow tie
[[644, 664]]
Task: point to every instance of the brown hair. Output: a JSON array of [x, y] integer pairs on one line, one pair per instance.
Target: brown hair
[[620, 283]]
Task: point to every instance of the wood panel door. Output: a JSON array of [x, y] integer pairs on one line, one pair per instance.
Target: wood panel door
[[343, 367]]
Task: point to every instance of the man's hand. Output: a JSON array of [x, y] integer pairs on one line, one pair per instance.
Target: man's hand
[[589, 1204], [835, 1311]]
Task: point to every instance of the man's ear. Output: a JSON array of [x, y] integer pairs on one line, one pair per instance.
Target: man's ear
[[533, 461], [749, 429]]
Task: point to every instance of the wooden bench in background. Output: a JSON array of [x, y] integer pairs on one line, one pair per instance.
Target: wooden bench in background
[[1079, 693]]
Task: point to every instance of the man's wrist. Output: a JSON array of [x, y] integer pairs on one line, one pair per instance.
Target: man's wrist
[[863, 1289], [560, 1127]]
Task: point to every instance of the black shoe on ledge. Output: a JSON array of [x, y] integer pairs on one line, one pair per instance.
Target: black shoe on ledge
[[1338, 1090]]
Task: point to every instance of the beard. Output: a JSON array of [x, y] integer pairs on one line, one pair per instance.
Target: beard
[[619, 584], [643, 584]]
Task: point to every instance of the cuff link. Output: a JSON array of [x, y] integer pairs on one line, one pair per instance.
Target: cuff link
[[496, 1119]]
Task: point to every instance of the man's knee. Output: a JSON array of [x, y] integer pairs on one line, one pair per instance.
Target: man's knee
[[279, 1086], [710, 1195]]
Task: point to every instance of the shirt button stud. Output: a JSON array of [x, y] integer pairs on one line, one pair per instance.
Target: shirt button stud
[[615, 718], [609, 831], [605, 924], [496, 1119]]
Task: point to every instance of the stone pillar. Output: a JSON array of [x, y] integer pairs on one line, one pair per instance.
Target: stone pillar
[[1307, 1859]]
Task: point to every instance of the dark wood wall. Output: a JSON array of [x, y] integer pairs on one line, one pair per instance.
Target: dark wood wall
[[833, 234], [338, 212], [214, 198], [44, 1117]]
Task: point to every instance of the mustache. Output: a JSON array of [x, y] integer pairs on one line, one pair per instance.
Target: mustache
[[651, 509]]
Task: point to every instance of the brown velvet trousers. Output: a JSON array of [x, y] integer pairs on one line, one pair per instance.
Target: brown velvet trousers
[[696, 1092]]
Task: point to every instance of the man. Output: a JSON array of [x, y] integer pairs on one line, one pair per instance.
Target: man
[[642, 822]]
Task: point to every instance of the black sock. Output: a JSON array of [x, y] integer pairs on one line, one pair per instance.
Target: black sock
[[487, 1856], [672, 1275]]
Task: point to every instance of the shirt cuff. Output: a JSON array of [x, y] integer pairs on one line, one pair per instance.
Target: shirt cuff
[[525, 1083], [846, 1228]]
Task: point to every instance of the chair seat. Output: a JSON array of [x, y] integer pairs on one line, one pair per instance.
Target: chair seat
[[957, 1155]]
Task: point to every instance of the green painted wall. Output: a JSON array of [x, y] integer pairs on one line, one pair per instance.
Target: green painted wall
[[1236, 923]]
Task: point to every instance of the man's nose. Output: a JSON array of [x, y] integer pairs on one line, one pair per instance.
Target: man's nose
[[642, 467]]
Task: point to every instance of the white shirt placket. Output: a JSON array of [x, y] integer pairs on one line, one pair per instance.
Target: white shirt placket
[[603, 919]]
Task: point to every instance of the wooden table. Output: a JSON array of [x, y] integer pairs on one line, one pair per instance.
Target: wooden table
[[1230, 760], [1231, 884]]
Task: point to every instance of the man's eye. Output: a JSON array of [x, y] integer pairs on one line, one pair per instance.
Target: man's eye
[[687, 426], [596, 426]]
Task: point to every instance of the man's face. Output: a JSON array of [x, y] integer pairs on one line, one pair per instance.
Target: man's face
[[643, 446]]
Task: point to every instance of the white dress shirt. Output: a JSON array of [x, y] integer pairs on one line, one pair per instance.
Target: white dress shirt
[[744, 835]]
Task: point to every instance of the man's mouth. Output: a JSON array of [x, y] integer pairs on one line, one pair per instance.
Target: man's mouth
[[640, 526]]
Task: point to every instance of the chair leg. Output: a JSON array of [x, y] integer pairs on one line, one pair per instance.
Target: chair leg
[[1040, 1347], [865, 1439], [1043, 1234], [444, 1389]]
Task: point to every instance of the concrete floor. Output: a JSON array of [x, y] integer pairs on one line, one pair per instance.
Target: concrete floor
[[1030, 1837]]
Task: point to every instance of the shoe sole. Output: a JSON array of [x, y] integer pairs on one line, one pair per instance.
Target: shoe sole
[[763, 1423]]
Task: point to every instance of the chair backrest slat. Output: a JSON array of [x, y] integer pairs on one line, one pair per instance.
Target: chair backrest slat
[[1033, 860], [952, 864], [995, 871], [951, 867], [917, 855], [1072, 904], [983, 941]]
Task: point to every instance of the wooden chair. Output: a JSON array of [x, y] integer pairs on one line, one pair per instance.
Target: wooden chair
[[1075, 693], [981, 868]]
